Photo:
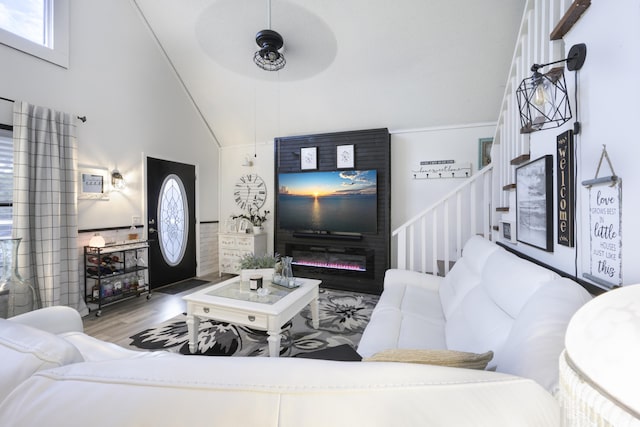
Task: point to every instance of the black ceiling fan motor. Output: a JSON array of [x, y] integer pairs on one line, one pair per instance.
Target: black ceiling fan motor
[[269, 41]]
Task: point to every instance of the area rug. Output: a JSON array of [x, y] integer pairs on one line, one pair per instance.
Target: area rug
[[343, 317], [185, 285]]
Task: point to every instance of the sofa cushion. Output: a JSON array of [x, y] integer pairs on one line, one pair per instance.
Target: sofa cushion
[[540, 329], [466, 273], [454, 359], [391, 328], [511, 280], [25, 350], [483, 319], [406, 316], [95, 350]]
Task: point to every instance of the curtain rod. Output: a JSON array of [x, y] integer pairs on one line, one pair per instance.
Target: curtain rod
[[81, 118]]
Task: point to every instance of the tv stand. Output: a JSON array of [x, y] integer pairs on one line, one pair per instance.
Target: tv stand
[[326, 235]]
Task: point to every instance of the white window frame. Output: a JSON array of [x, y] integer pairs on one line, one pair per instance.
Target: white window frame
[[6, 133], [58, 52]]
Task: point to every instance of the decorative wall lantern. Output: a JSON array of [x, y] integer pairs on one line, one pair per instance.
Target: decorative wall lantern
[[542, 98], [117, 180]]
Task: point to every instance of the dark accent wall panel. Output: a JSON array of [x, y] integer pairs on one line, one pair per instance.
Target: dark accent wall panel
[[372, 150]]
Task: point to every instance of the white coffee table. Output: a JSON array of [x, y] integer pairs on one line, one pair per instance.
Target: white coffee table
[[232, 301]]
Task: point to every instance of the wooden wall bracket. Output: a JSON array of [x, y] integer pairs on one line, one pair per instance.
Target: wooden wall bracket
[[571, 16]]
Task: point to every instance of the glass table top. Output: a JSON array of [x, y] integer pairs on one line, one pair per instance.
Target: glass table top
[[269, 294]]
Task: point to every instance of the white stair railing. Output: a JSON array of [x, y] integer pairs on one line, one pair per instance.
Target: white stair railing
[[432, 240]]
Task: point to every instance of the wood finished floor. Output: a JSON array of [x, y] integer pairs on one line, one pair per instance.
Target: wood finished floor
[[119, 321]]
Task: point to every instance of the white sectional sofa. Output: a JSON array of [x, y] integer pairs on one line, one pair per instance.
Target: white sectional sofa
[[491, 300], [53, 374]]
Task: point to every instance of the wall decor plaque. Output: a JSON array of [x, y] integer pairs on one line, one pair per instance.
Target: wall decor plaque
[[566, 189], [605, 227]]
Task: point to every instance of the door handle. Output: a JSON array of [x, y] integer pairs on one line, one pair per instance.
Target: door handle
[[153, 230], [152, 221]]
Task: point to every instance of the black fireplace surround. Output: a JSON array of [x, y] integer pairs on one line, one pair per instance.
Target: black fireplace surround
[[347, 260]]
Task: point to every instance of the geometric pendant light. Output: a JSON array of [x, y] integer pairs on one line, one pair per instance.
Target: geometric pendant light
[[543, 101]]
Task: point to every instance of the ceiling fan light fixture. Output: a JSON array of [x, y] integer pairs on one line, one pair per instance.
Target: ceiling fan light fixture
[[268, 57]]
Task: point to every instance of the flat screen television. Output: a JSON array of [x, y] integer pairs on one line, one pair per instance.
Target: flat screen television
[[328, 201]]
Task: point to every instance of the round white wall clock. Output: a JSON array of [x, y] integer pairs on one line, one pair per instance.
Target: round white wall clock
[[250, 190]]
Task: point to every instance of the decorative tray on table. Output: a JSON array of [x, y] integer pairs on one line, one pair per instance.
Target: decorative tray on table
[[284, 284]]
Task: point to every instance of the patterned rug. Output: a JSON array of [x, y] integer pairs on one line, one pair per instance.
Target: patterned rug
[[343, 316]]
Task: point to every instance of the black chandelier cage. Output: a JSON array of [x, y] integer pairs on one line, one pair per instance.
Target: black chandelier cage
[[543, 100]]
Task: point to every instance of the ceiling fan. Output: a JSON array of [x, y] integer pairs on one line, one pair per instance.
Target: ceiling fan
[[269, 57]]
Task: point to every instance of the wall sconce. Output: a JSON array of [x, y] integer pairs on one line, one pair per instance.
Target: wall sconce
[[117, 180], [542, 98]]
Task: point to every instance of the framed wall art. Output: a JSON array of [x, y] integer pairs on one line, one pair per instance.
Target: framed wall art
[[534, 203], [309, 158], [344, 157], [508, 231], [93, 183], [484, 152]]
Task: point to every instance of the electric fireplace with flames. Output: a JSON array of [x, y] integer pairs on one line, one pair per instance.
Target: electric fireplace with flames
[[331, 260]]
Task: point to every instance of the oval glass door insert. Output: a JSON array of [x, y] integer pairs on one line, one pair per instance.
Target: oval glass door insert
[[173, 220]]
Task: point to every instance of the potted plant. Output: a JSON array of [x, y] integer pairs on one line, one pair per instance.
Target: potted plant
[[263, 265]]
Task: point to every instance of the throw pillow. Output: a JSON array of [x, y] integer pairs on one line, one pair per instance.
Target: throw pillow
[[452, 358]]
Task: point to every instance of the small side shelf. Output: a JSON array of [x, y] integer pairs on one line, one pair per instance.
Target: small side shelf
[[114, 273]]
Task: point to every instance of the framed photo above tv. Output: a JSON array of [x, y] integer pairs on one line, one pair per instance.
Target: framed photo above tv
[[309, 158], [344, 157], [534, 203]]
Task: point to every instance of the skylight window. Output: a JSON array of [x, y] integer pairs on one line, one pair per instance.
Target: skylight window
[[37, 27]]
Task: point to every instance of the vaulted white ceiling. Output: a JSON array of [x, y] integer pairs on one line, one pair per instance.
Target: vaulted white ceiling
[[351, 64]]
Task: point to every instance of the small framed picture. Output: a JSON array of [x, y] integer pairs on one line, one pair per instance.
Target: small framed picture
[[244, 225], [508, 231], [93, 183], [344, 156], [231, 226], [484, 152], [308, 158]]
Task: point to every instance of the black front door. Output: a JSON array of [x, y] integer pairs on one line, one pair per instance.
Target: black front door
[[171, 221]]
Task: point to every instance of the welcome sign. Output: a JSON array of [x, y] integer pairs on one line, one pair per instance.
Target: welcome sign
[[565, 186]]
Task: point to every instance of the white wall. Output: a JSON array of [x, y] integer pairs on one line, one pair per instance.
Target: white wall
[[231, 169], [134, 103], [411, 196], [609, 113]]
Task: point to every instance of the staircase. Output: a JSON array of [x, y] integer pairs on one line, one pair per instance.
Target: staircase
[[432, 241]]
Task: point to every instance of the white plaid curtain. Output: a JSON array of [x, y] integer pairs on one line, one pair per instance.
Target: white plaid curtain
[[45, 213]]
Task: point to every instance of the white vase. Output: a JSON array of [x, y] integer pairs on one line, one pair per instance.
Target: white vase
[[17, 296]]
